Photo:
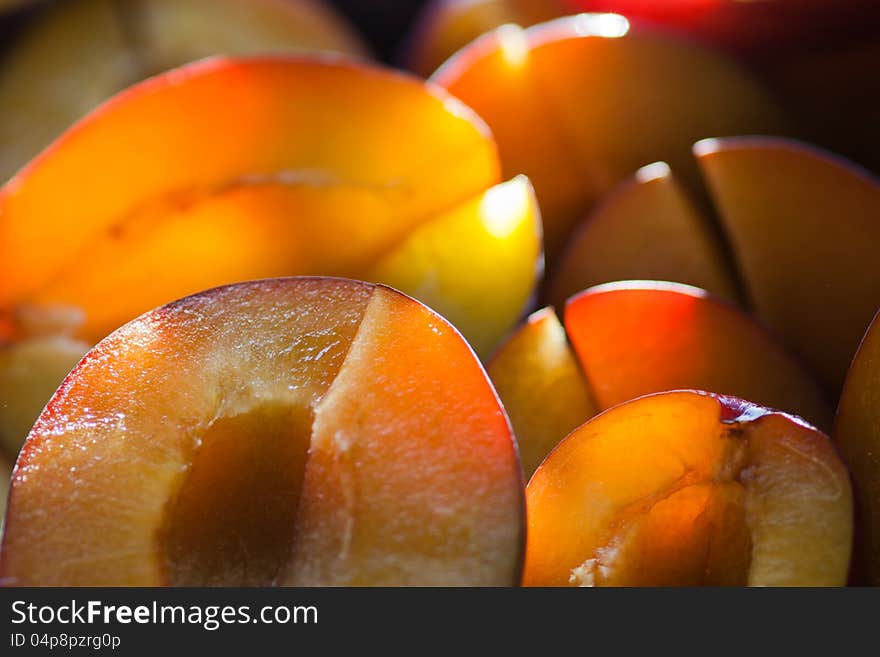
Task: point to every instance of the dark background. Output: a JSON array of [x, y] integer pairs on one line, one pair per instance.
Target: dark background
[[383, 23]]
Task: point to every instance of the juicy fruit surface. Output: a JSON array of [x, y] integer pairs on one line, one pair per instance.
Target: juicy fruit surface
[[799, 224], [579, 83], [633, 339], [287, 179], [684, 488], [332, 432], [542, 386], [484, 255], [624, 340], [78, 53], [802, 224]]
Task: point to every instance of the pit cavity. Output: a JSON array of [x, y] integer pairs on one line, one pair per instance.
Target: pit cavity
[[694, 533], [232, 520]]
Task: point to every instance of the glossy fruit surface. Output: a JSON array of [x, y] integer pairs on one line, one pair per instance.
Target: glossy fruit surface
[[290, 432], [684, 488]]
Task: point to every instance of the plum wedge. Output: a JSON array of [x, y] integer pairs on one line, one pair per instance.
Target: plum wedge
[[646, 228], [303, 431], [796, 227], [685, 488], [242, 169], [628, 339], [580, 103], [802, 223], [288, 179]]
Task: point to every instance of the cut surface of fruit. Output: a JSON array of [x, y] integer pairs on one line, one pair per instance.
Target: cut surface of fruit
[[578, 84], [291, 431], [286, 180], [484, 253], [78, 53], [686, 488], [646, 229], [636, 338], [541, 384], [857, 436], [803, 225], [317, 167]]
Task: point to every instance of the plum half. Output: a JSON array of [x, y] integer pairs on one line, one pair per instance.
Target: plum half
[[687, 488], [634, 338], [301, 431]]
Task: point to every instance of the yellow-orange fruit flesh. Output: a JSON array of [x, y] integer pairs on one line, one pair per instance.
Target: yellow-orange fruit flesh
[[542, 387], [684, 488], [285, 179], [637, 338], [209, 199], [477, 264], [221, 441], [580, 103]]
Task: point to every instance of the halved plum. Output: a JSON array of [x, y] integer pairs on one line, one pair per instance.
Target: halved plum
[[580, 103], [305, 431], [802, 224], [647, 228], [685, 488], [634, 338], [231, 170]]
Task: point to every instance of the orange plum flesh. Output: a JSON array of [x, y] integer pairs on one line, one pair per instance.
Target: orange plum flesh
[[577, 84], [303, 431], [797, 227], [635, 338], [686, 488], [628, 339], [317, 166], [543, 388]]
